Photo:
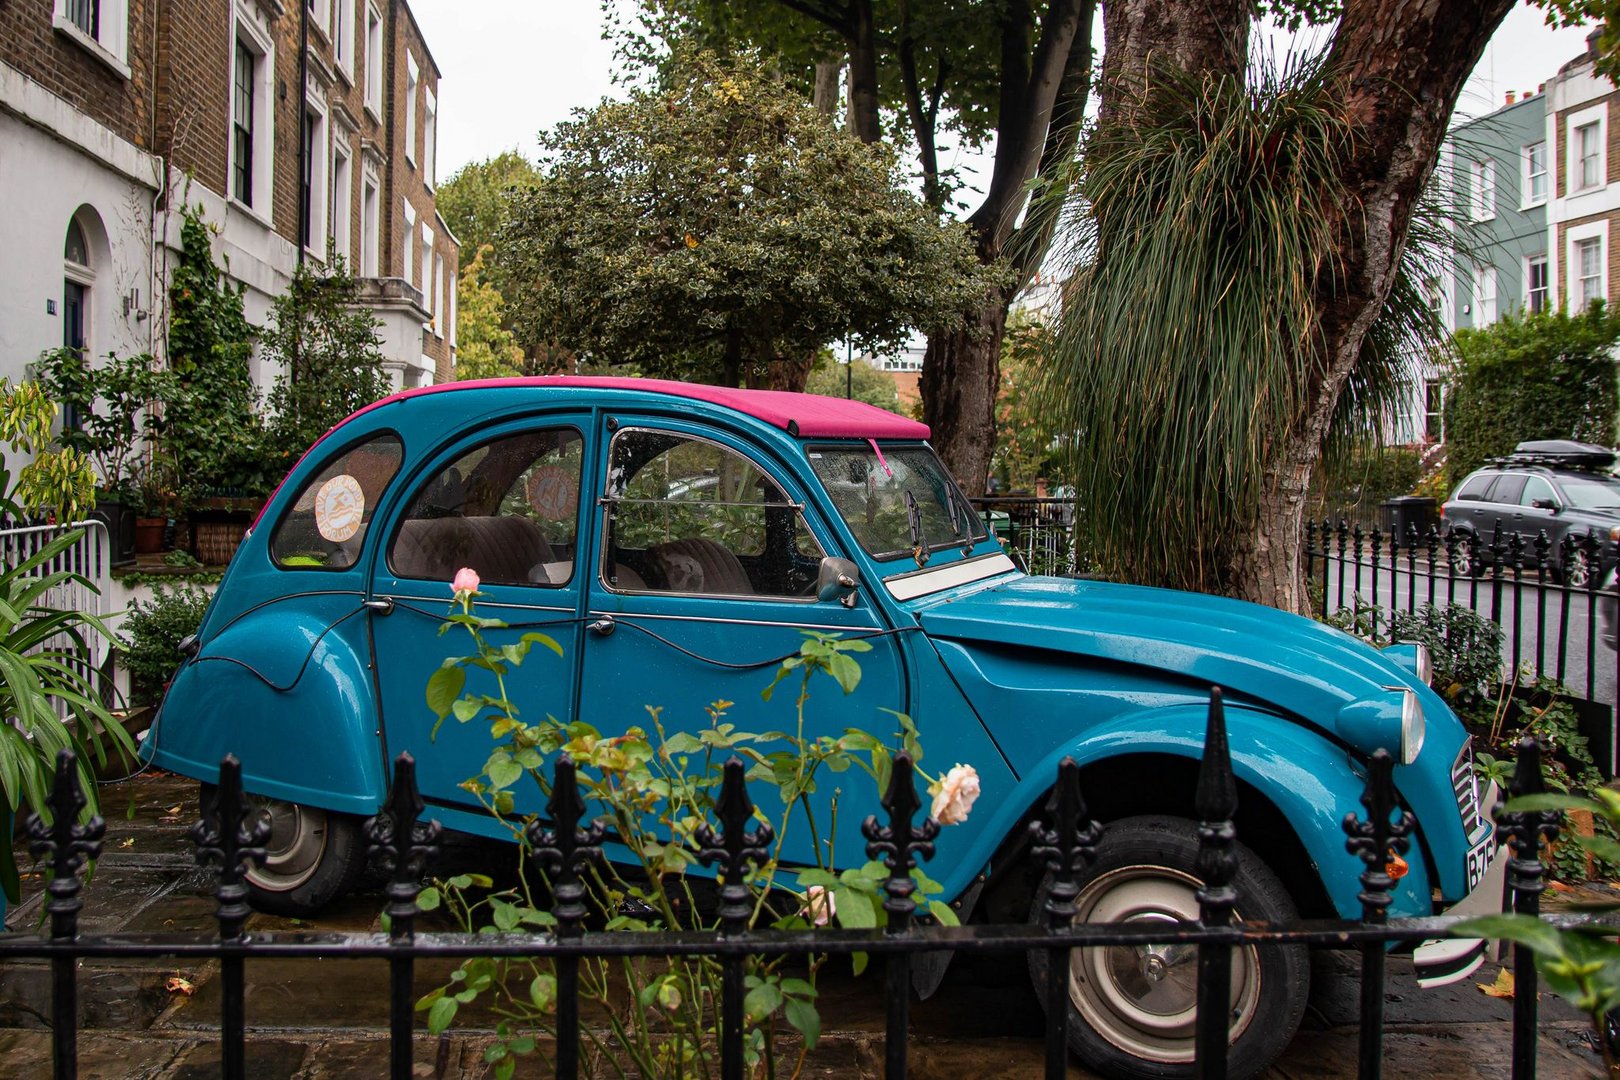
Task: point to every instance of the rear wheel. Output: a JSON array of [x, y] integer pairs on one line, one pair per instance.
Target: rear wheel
[[1464, 558], [1132, 1008], [312, 857], [1578, 569]]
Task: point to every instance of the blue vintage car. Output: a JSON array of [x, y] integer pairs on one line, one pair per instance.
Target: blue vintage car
[[675, 539]]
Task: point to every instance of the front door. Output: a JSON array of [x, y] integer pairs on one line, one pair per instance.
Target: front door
[[506, 505], [702, 583]]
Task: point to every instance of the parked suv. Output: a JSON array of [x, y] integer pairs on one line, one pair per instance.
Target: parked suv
[[1557, 487], [676, 539]]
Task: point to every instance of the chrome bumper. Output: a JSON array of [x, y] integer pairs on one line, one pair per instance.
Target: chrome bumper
[[1442, 961]]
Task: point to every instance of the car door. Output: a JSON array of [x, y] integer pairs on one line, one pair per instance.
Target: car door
[[703, 582], [1502, 509], [1530, 520], [504, 503]]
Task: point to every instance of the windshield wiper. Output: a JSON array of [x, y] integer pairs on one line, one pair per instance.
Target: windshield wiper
[[955, 511], [919, 546]]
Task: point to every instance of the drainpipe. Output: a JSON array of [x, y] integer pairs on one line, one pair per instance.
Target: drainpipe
[[303, 127]]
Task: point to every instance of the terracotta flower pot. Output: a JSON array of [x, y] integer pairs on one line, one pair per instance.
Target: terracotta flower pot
[[149, 535]]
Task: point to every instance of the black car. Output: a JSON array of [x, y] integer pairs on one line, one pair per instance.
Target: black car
[[1557, 487]]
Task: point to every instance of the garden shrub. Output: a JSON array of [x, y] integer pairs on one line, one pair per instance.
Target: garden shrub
[[150, 649]]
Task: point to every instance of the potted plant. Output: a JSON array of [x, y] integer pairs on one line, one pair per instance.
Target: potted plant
[[48, 702], [106, 414]]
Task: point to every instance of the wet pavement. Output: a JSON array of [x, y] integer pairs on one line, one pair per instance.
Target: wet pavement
[[324, 1019]]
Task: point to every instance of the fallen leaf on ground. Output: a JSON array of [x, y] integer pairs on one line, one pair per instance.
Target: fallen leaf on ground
[[1559, 886], [128, 841], [1501, 988], [177, 985]]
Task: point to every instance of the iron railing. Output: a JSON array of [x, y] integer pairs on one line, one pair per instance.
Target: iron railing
[[1039, 532], [89, 558], [1063, 843], [1563, 630]]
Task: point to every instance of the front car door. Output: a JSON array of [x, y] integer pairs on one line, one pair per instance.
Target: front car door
[[703, 581], [504, 503]]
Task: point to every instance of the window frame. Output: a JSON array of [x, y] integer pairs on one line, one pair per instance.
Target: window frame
[[430, 137], [341, 205], [107, 40], [413, 81], [370, 223], [1533, 263], [1593, 120], [408, 260], [251, 38], [374, 42], [316, 181], [1482, 190], [762, 463], [1486, 310], [343, 35], [1574, 239], [1529, 176]]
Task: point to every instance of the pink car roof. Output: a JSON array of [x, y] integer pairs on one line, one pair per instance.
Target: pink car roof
[[806, 415]]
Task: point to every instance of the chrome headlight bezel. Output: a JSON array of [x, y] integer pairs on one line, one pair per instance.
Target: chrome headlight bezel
[[1413, 725]]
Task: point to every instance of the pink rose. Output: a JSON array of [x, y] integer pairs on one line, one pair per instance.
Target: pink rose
[[954, 795], [819, 905], [465, 584]]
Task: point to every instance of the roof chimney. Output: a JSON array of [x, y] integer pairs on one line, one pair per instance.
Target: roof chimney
[[1592, 43], [1511, 97]]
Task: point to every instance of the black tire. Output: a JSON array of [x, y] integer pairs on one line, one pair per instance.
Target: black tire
[[1127, 1021], [313, 857]]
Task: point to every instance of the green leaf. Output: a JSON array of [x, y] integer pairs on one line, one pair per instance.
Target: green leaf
[[942, 912], [428, 899], [543, 992], [441, 1014], [1550, 801], [1521, 929], [466, 708], [805, 1019], [543, 639], [855, 909], [845, 670], [504, 773], [761, 1001], [444, 688]]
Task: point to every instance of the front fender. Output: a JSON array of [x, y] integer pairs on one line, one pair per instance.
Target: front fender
[[1307, 778], [288, 690]]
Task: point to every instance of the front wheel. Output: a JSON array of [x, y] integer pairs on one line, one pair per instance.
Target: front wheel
[[312, 857], [1132, 1008]]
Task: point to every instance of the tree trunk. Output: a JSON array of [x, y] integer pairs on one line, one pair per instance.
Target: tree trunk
[[780, 373], [960, 378], [863, 77], [1400, 67], [824, 94]]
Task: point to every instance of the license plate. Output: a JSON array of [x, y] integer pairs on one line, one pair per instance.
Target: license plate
[[1479, 860]]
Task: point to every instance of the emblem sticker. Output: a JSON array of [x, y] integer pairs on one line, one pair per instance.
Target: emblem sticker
[[553, 492], [339, 506]]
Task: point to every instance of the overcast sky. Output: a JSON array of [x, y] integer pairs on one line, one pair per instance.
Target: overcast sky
[[512, 67]]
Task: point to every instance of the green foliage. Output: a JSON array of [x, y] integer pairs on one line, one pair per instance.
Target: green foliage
[[866, 382], [149, 646], [1605, 14], [210, 436], [59, 482], [1188, 358], [1356, 483], [475, 203], [1029, 441], [721, 228], [658, 791], [485, 349], [110, 402], [1546, 376], [331, 366], [1465, 649]]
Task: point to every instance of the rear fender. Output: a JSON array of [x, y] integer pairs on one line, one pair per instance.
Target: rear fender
[[288, 690]]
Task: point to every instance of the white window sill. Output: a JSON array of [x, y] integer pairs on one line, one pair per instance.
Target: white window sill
[[374, 111], [71, 30], [1533, 204], [262, 219], [1578, 192], [346, 73]]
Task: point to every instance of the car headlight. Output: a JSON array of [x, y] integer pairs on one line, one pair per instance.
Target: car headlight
[[1413, 727], [1414, 657], [1391, 721]]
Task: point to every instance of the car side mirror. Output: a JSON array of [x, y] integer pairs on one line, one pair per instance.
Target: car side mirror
[[837, 579], [1545, 504]]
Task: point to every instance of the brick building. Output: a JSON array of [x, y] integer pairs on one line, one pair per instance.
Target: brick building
[[115, 114]]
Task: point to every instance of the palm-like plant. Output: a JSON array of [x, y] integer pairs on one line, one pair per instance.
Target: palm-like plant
[[48, 698], [1192, 330]]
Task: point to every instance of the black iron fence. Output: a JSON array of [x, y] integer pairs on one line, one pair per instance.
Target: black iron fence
[[1063, 841], [1554, 602], [1038, 532]]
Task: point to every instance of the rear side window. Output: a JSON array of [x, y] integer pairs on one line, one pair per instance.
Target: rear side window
[[1509, 486], [1475, 486], [508, 509], [325, 527]]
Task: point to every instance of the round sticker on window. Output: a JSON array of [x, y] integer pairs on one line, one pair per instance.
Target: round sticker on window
[[553, 492], [339, 506]]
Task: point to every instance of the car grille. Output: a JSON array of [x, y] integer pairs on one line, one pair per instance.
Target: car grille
[[1465, 784]]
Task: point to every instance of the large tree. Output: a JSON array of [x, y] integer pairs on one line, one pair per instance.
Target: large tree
[[1194, 177], [716, 227], [1015, 72], [474, 204]]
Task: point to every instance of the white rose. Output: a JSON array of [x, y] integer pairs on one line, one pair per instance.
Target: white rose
[[954, 795], [819, 905]]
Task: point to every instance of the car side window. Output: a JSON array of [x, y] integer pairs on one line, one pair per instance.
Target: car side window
[[508, 509], [1536, 487], [686, 515], [1475, 487], [1509, 486], [325, 527]]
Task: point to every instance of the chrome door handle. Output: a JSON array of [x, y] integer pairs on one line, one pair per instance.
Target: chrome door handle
[[603, 626]]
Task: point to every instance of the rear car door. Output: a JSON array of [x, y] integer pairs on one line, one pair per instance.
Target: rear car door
[[504, 503]]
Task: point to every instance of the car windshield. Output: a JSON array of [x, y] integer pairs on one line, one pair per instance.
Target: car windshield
[[896, 499], [1591, 492]]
